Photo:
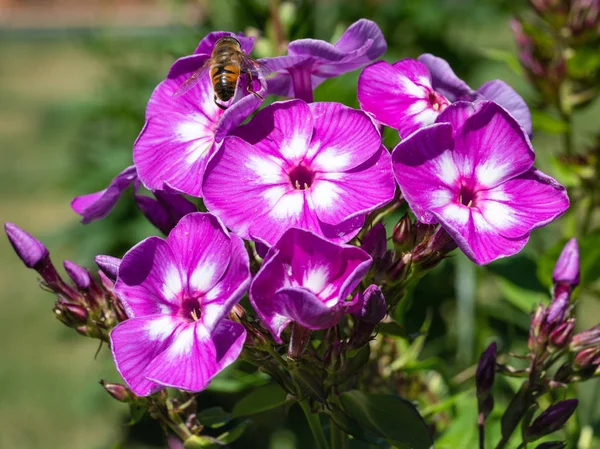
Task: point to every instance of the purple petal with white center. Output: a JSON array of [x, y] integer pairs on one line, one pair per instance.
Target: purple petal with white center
[[203, 249], [179, 135], [474, 235], [336, 196], [524, 203], [207, 44], [424, 168], [232, 286], [301, 305], [194, 356], [492, 147], [399, 95], [282, 131], [444, 80], [332, 150], [501, 93], [95, 206], [136, 342], [150, 280], [301, 259]]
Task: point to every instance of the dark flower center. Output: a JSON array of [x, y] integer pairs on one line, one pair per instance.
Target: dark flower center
[[190, 308], [466, 197], [437, 101], [301, 177]]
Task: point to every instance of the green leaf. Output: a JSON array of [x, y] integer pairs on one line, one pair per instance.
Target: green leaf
[[233, 434], [388, 417], [260, 400], [542, 121], [213, 417], [393, 329], [522, 298], [137, 410], [200, 442], [507, 57]]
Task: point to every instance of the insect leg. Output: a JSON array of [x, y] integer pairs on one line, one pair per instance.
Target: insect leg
[[219, 104], [250, 86]]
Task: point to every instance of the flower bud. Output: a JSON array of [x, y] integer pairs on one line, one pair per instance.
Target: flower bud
[[551, 419], [566, 270], [560, 336], [29, 249], [400, 269], [403, 235], [79, 275], [70, 314], [109, 265], [370, 306], [558, 308], [586, 358], [552, 445], [537, 329], [375, 241], [299, 341], [119, 392], [586, 338], [486, 372], [564, 374]]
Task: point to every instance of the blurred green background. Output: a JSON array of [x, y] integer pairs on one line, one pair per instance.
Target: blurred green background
[[74, 81]]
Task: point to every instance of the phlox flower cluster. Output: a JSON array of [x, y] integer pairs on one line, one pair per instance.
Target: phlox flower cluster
[[301, 184]]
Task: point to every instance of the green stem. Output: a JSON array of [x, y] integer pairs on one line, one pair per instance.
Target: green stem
[[315, 425], [339, 439]]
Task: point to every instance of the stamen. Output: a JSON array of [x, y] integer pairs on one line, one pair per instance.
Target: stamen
[[194, 315]]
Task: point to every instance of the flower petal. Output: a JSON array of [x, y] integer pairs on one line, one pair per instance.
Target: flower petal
[[338, 196], [150, 280], [218, 301], [397, 95], [332, 147], [505, 96], [166, 210], [474, 235], [203, 248], [301, 305], [524, 203], [136, 342], [458, 113], [95, 206], [283, 130], [195, 356], [492, 147], [179, 134], [444, 80], [425, 171]]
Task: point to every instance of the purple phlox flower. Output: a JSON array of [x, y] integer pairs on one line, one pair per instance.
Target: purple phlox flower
[[166, 210], [473, 173], [454, 89], [29, 249], [566, 270], [309, 62], [182, 132], [177, 294], [318, 166], [400, 95], [306, 279], [410, 94], [95, 206]]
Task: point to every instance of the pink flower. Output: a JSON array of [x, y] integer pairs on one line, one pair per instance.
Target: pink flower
[[177, 293], [473, 173]]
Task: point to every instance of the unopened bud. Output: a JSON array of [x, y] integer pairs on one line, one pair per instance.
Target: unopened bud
[[79, 275], [551, 419], [561, 335], [119, 392], [557, 310], [537, 330], [369, 306], [70, 314], [566, 270], [586, 338], [486, 372], [586, 358], [400, 269], [552, 445], [29, 249], [298, 341], [564, 373], [109, 265], [403, 235], [375, 241]]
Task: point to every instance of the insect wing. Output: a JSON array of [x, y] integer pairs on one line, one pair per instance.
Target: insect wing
[[191, 81], [253, 66]]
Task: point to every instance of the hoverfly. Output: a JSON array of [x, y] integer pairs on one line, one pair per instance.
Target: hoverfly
[[227, 62]]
